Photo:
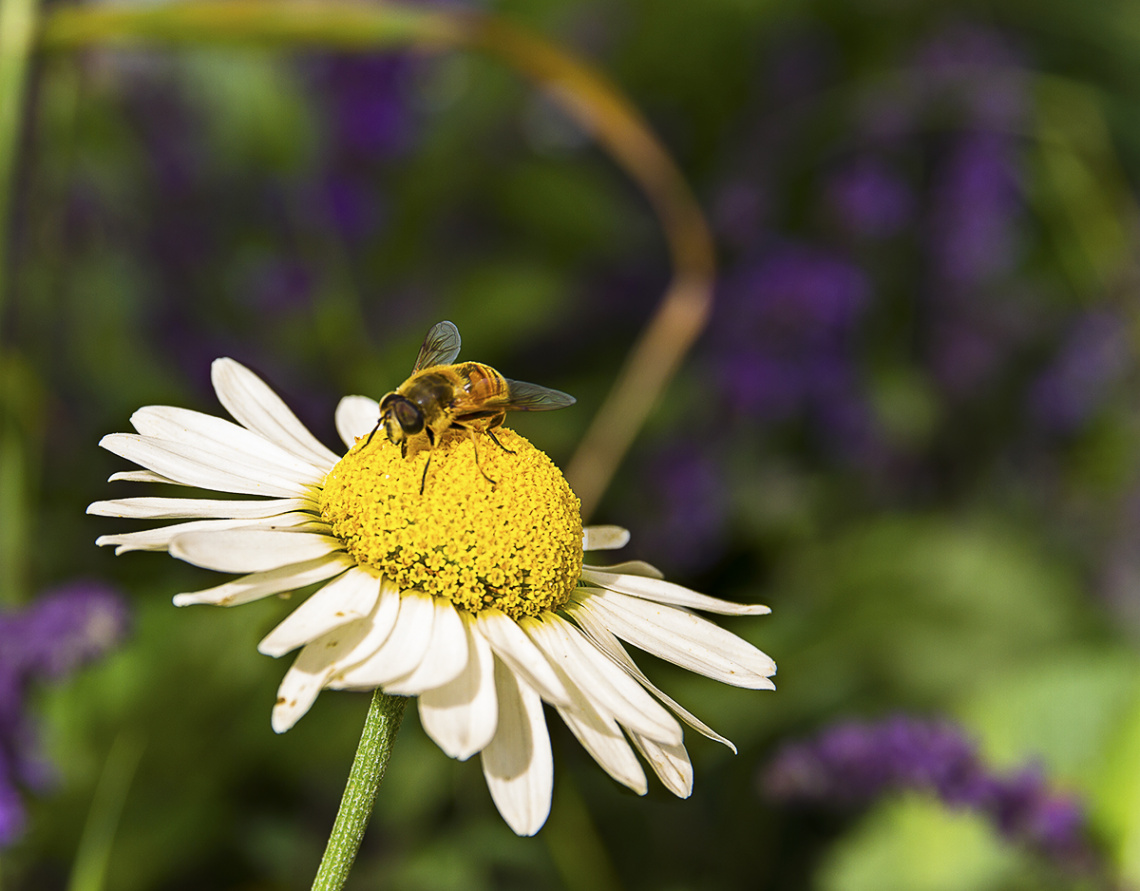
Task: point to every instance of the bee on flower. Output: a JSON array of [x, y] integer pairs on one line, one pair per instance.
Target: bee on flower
[[474, 598]]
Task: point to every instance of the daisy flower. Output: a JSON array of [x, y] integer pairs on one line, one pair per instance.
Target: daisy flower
[[472, 596]]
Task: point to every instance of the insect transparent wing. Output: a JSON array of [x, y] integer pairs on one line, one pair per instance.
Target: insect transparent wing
[[532, 397], [441, 347]]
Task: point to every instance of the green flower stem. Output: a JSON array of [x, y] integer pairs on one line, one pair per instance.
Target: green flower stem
[[380, 728]]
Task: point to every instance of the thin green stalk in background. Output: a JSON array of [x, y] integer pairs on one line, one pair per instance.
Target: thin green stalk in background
[[380, 728], [89, 872], [575, 845], [17, 28]]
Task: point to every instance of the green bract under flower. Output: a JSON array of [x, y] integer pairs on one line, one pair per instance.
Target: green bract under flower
[[515, 545]]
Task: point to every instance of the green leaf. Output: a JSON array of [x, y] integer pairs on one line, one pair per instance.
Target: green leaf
[[918, 845]]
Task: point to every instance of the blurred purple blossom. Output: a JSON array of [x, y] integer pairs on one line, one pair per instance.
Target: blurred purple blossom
[[854, 763], [977, 66], [351, 205], [869, 199], [964, 355], [280, 284], [367, 101], [974, 205], [63, 629], [12, 817], [785, 335], [959, 49], [740, 212], [1095, 355], [686, 509]]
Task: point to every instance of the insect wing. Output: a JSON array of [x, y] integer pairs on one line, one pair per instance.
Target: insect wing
[[532, 397], [441, 347]]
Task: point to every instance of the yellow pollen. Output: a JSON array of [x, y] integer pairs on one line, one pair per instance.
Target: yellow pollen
[[515, 545]]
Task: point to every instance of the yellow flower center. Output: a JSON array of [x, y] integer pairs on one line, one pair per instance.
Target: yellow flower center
[[515, 545]]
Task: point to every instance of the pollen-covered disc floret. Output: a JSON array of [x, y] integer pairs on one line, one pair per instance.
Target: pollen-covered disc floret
[[515, 544]]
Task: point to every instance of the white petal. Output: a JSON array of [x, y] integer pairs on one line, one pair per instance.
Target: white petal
[[670, 763], [383, 620], [630, 567], [321, 659], [517, 650], [191, 466], [251, 550], [140, 476], [175, 508], [666, 592], [275, 581], [461, 716], [611, 691], [400, 654], [603, 739], [682, 638], [159, 538], [590, 717], [518, 764], [211, 433], [253, 404], [446, 655], [356, 416], [345, 599], [604, 538], [311, 669], [611, 647]]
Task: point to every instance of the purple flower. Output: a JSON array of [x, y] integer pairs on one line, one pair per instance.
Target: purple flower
[[352, 206], [964, 355], [785, 338], [854, 763], [367, 99], [278, 284], [975, 203], [869, 200], [686, 509], [12, 816], [980, 67], [789, 312], [739, 213], [1095, 355], [62, 630]]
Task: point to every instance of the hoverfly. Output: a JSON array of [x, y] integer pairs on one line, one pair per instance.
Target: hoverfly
[[469, 396]]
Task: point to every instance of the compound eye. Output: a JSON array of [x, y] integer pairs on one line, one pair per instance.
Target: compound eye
[[411, 418]]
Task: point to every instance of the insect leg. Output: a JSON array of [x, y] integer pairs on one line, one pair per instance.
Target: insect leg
[[495, 439], [475, 447], [497, 421], [373, 433], [431, 440]]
